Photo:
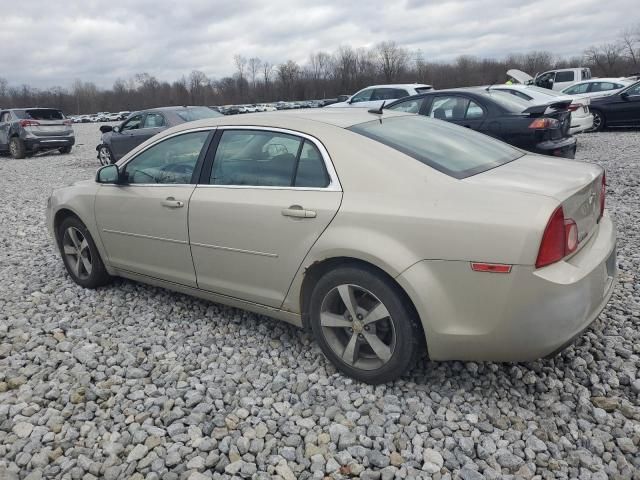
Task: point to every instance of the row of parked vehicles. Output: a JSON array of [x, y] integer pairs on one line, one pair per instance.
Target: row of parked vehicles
[[100, 117]]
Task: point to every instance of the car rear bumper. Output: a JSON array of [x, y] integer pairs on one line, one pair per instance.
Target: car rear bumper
[[46, 143], [581, 124], [520, 316], [565, 147]]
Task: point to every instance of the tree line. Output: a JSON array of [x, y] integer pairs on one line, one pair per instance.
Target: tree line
[[323, 75]]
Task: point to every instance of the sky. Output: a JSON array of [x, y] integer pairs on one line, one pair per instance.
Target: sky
[[47, 43]]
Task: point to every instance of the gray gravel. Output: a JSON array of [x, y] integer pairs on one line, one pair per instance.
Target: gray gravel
[[132, 381]]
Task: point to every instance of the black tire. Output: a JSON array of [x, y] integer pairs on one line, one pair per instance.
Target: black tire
[[399, 331], [16, 148], [598, 121], [65, 150], [105, 155], [93, 277]]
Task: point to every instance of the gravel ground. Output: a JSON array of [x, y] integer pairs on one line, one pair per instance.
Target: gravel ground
[[132, 381]]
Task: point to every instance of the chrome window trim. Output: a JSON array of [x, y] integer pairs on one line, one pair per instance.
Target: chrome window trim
[[334, 181]]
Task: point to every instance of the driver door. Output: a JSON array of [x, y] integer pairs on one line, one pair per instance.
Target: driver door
[[143, 221], [126, 139], [625, 109]]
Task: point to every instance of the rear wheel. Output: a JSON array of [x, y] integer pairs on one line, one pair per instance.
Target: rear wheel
[[65, 150], [17, 148], [80, 254], [598, 121], [364, 325]]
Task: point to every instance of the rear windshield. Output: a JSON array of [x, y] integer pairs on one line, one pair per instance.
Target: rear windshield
[[509, 102], [197, 113], [40, 114], [545, 91], [451, 149]]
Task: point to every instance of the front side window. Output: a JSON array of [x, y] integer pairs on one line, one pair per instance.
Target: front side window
[[133, 123], [363, 96], [153, 120], [450, 107], [172, 161], [409, 106], [451, 149], [267, 159], [565, 77], [576, 89]]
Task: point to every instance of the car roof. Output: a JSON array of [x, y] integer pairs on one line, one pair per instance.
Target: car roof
[[603, 79], [337, 117], [398, 85]]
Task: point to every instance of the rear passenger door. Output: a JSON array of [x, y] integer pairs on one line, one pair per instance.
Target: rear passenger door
[[262, 201], [457, 109]]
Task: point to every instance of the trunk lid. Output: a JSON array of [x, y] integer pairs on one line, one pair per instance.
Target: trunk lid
[[576, 185]]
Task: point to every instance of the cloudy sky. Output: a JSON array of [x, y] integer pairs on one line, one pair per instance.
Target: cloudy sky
[[46, 43]]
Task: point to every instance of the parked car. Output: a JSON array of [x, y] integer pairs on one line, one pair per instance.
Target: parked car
[[474, 250], [140, 126], [556, 79], [113, 117], [124, 114], [376, 95], [596, 87], [537, 128], [581, 118], [25, 131], [620, 109]]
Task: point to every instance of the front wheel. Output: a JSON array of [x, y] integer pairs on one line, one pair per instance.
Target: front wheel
[[104, 155], [80, 254], [364, 324], [598, 121]]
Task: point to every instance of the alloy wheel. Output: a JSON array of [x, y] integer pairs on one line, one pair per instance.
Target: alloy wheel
[[77, 253], [105, 156], [13, 149], [597, 121], [357, 327]]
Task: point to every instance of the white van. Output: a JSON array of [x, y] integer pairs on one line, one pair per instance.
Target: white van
[[552, 79]]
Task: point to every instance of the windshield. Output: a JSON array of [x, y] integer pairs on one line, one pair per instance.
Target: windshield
[[197, 113], [456, 151]]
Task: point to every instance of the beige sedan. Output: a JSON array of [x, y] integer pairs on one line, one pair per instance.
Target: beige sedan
[[389, 236]]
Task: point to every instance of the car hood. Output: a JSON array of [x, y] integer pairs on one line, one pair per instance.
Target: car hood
[[339, 104], [539, 175], [519, 75]]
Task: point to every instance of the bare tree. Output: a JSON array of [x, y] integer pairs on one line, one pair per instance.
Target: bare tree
[[630, 39], [392, 58], [606, 57], [254, 68]]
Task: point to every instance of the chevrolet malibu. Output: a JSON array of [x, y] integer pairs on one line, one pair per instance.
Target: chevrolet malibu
[[387, 235]]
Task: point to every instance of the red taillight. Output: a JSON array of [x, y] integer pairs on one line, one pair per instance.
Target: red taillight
[[67, 122], [560, 238], [541, 123], [603, 194], [29, 123], [574, 106]]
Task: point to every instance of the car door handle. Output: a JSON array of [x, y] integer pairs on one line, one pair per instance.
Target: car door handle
[[298, 212], [171, 202]]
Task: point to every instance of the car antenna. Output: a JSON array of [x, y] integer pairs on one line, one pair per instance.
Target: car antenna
[[378, 111]]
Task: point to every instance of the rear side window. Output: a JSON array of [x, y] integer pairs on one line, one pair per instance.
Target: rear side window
[[388, 94], [453, 150], [43, 114], [603, 86], [409, 106], [565, 77], [267, 159]]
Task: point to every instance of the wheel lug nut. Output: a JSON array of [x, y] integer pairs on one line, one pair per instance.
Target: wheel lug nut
[[366, 327], [359, 317]]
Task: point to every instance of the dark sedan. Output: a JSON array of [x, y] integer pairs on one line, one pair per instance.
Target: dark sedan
[[540, 128], [620, 109], [117, 141]]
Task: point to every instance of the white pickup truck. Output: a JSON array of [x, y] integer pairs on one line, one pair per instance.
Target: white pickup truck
[[552, 79]]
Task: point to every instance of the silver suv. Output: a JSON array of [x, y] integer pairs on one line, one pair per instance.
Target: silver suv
[[24, 131]]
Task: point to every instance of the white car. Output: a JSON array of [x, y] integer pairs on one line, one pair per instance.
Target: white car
[[596, 87], [376, 95], [581, 117]]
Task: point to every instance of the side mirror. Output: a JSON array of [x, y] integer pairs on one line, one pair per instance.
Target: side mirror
[[624, 95], [109, 174], [116, 129], [106, 128]]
